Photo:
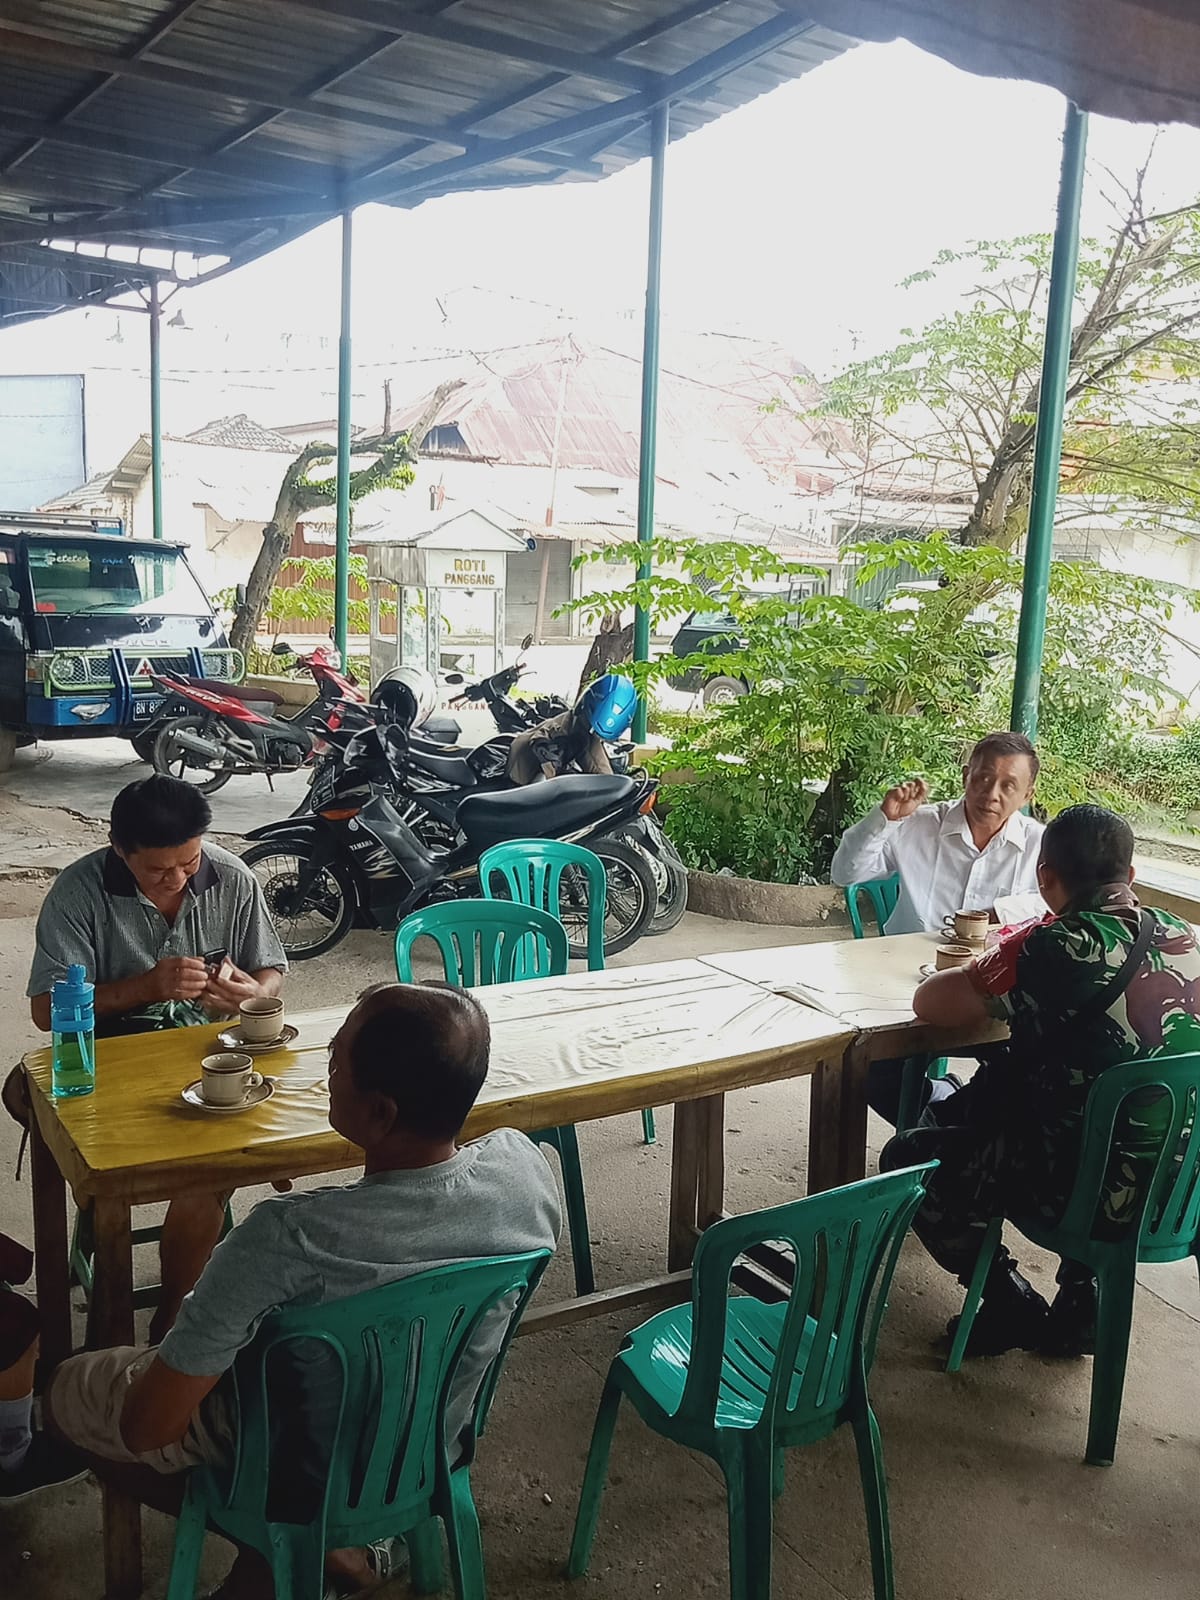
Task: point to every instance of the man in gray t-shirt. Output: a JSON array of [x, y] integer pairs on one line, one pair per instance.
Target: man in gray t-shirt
[[171, 931], [405, 1069]]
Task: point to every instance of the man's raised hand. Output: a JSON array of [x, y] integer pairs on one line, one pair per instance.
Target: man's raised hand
[[904, 799]]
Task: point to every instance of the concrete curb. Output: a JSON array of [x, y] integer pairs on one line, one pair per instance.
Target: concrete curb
[[794, 905]]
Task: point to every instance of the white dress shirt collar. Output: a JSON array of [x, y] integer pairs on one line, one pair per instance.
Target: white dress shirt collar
[[1013, 832]]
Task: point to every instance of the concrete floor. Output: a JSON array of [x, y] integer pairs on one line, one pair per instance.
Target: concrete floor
[[988, 1494]]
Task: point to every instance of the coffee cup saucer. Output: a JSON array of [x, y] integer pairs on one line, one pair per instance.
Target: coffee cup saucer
[[193, 1095], [947, 936], [232, 1039]]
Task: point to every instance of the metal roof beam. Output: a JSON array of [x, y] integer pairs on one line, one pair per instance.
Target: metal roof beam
[[29, 41], [115, 141], [489, 41], [739, 52], [152, 36]]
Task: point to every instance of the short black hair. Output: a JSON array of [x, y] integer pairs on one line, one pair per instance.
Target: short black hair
[[1086, 846], [1005, 744], [425, 1046], [157, 813]]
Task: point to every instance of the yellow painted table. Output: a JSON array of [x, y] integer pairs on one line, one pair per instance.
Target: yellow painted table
[[563, 1050], [867, 985]]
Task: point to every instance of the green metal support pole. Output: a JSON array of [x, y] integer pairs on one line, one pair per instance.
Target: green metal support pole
[[659, 130], [1047, 452], [156, 485], [341, 578]]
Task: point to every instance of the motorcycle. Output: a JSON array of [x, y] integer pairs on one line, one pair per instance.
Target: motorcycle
[[210, 731], [356, 862]]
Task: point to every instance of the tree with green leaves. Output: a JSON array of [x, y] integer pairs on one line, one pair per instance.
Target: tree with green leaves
[[954, 405], [388, 461]]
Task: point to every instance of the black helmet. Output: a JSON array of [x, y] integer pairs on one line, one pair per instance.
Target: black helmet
[[397, 702]]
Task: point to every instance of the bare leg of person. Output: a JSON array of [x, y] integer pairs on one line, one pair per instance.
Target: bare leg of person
[[190, 1232]]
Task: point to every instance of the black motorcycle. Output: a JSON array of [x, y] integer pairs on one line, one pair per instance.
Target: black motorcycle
[[355, 861]]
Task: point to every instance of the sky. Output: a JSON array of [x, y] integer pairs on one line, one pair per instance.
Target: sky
[[792, 219]]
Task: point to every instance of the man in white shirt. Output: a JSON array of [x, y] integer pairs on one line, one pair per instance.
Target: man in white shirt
[[966, 854], [959, 854]]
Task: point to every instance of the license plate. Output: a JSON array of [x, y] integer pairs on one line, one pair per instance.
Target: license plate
[[146, 707]]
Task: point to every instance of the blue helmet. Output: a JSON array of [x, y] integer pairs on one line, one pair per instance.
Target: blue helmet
[[608, 705]]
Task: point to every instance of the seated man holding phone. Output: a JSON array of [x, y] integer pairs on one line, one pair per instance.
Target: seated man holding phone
[[173, 932]]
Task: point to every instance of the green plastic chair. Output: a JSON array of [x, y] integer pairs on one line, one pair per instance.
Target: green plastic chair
[[742, 1382], [530, 871], [1143, 1107], [391, 1469], [883, 894], [494, 941]]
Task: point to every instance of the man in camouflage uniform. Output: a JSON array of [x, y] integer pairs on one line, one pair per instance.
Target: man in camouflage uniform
[[1009, 1142]]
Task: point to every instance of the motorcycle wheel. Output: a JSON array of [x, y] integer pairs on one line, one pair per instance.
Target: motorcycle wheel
[[327, 914], [671, 881], [629, 905], [173, 761]]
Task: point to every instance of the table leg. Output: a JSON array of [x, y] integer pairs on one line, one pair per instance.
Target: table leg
[[852, 1135], [710, 1180], [686, 1136], [110, 1323], [824, 1126], [50, 1251]]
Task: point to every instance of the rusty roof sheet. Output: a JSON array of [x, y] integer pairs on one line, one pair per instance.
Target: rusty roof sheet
[[183, 135]]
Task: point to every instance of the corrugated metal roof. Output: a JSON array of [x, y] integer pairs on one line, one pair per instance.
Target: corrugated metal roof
[[726, 406], [221, 128]]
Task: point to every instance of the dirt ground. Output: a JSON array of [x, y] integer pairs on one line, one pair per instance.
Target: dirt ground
[[989, 1498]]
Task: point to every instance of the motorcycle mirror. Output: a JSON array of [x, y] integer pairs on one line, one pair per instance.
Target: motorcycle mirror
[[453, 677], [279, 648], [526, 641]]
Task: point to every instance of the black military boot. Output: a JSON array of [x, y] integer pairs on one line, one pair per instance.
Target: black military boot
[[1012, 1314]]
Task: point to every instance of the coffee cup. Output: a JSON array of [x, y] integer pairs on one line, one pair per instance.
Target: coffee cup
[[227, 1078], [261, 1021], [969, 927], [952, 955]]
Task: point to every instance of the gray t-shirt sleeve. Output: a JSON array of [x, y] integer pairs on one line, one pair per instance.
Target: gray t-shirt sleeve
[[256, 1268], [64, 935], [255, 943]]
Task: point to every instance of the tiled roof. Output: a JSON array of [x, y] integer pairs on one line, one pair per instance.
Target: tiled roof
[[241, 433]]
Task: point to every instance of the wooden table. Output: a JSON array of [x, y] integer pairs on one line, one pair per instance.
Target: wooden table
[[563, 1050], [866, 984]]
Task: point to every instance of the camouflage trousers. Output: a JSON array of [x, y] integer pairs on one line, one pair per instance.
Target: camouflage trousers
[[986, 1169]]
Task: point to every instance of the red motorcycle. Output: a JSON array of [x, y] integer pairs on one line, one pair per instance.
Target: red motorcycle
[[210, 731]]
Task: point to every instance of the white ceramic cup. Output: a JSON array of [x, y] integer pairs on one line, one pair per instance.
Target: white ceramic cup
[[226, 1079], [261, 1021], [952, 955], [968, 926]]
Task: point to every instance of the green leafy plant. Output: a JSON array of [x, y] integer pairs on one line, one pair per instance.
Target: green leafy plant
[[846, 700]]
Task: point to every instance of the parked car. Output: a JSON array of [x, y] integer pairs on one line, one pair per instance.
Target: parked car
[[715, 633], [87, 617]]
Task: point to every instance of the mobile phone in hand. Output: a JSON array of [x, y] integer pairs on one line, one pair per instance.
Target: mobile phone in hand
[[218, 964]]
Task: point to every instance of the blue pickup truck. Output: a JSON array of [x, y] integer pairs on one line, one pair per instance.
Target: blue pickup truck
[[86, 616]]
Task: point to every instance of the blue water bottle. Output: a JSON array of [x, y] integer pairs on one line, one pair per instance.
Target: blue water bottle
[[73, 1020]]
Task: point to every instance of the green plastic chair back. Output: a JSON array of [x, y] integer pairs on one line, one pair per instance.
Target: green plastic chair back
[[494, 941], [1148, 1110], [397, 1350], [531, 871], [881, 892], [742, 1381], [485, 941]]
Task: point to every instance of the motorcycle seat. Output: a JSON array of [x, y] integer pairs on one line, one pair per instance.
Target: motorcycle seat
[[543, 810], [236, 691], [439, 729], [452, 770]]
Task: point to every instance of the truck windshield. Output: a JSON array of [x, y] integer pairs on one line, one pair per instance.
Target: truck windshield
[[86, 578]]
